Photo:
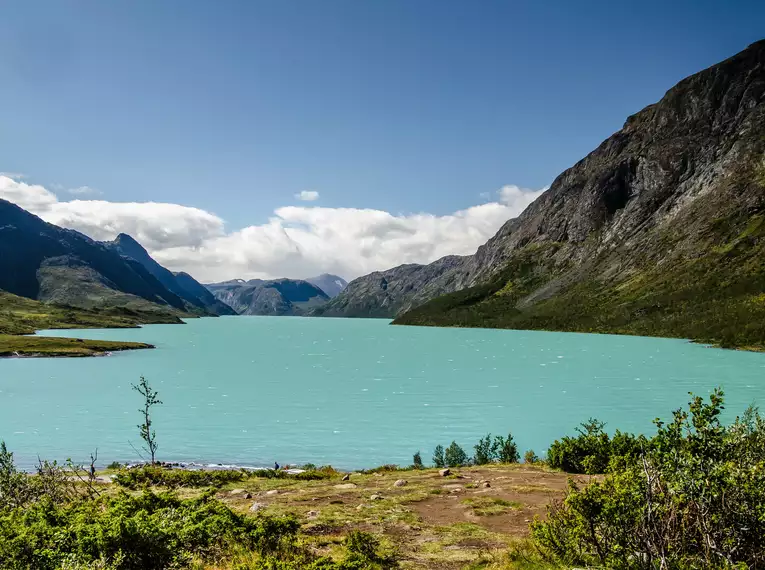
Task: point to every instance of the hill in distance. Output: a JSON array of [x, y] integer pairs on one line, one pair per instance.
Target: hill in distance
[[659, 231], [182, 284], [269, 297], [46, 263], [332, 285]]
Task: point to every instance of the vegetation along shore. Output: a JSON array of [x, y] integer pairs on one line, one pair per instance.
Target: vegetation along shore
[[690, 496]]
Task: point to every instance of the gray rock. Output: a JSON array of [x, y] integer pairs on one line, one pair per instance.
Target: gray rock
[[376, 497], [346, 486], [272, 492], [257, 507], [346, 477], [444, 472], [400, 483]]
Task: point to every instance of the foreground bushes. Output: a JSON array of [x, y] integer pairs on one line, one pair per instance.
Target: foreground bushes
[[149, 475], [693, 496], [592, 450], [150, 531]]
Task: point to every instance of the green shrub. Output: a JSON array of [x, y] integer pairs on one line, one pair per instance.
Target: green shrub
[[505, 450], [455, 456], [148, 531], [149, 475], [484, 451], [692, 497], [592, 450], [438, 457], [417, 461], [530, 457]]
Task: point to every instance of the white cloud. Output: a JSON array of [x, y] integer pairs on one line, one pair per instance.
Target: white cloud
[[84, 190], [308, 195], [297, 241]]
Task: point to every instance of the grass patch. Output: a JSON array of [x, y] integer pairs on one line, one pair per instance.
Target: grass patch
[[12, 345], [488, 506]]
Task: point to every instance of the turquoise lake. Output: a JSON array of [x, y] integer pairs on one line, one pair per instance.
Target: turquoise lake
[[352, 393]]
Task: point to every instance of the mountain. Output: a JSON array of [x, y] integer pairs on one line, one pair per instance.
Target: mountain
[[42, 261], [658, 231], [274, 297], [182, 284], [332, 285], [384, 294]]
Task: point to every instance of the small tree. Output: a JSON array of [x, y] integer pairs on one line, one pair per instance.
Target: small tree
[[505, 449], [14, 484], [484, 451], [438, 456], [417, 461], [150, 399], [455, 456], [530, 457]]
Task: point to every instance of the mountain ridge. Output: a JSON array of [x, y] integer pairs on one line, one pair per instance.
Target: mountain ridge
[[657, 231]]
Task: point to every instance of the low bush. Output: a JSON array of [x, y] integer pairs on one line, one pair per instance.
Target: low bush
[[148, 531], [692, 497], [438, 457], [592, 449], [149, 475], [530, 457], [455, 456]]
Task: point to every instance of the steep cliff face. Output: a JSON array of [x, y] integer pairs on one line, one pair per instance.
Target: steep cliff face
[[658, 231]]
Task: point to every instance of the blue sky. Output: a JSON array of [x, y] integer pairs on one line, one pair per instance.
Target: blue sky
[[404, 106]]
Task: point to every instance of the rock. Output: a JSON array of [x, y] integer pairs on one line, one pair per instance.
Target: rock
[[346, 477], [237, 492], [400, 483], [272, 492], [346, 486], [444, 472], [247, 496], [486, 484], [376, 497], [312, 514], [257, 507]]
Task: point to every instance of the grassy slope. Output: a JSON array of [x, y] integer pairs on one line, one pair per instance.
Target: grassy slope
[[21, 316], [703, 280]]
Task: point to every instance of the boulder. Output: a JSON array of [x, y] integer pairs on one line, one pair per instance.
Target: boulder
[[346, 486], [400, 483], [376, 497], [346, 477], [444, 472], [257, 507], [272, 492]]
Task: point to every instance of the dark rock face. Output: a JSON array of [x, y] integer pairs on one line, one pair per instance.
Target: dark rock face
[[332, 285], [274, 297], [87, 272], [182, 284], [665, 211]]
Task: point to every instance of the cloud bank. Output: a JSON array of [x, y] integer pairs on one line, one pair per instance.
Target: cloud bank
[[297, 241]]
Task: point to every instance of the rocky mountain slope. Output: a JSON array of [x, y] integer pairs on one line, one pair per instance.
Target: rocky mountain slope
[[658, 231], [385, 294], [269, 297], [182, 284], [42, 261], [332, 285]]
